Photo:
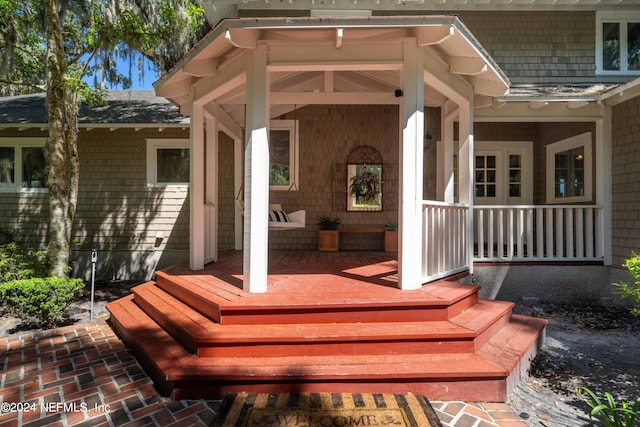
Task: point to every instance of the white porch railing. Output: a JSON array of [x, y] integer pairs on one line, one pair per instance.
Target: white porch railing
[[538, 233], [445, 249], [508, 233]]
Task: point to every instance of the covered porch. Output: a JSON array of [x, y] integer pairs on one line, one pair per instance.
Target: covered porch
[[247, 73]]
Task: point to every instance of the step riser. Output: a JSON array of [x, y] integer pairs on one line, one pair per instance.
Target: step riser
[[209, 310], [490, 390], [343, 348], [347, 315], [311, 314]]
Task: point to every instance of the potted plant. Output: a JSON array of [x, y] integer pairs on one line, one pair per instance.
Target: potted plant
[[391, 237], [328, 235]]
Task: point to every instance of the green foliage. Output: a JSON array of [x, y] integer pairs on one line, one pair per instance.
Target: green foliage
[[609, 413], [43, 301], [328, 223], [626, 290], [18, 262]]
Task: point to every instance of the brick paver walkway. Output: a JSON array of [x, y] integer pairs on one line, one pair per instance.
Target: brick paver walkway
[[82, 375]]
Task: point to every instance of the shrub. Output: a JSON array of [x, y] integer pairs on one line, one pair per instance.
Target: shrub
[[43, 301], [632, 290], [18, 262], [609, 413]]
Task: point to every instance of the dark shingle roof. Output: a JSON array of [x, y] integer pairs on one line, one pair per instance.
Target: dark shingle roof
[[123, 107]]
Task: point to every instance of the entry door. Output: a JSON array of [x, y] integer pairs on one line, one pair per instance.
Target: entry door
[[503, 173]]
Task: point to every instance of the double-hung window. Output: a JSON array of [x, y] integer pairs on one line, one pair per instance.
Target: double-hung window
[[618, 42], [168, 162], [22, 164]]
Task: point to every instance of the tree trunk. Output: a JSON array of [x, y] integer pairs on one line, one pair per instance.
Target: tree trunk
[[61, 151]]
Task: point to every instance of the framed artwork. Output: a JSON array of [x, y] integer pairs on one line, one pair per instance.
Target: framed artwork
[[364, 187]]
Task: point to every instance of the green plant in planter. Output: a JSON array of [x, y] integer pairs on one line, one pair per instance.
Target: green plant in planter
[[610, 414], [391, 226], [366, 185], [328, 223]]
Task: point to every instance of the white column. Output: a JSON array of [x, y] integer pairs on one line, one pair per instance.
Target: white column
[[604, 182], [211, 189], [196, 189], [465, 167], [256, 176], [411, 165]]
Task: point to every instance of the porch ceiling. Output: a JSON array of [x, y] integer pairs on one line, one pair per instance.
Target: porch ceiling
[[330, 61]]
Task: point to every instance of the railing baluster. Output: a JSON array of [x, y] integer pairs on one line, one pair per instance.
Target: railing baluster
[[589, 232], [570, 234], [549, 232], [559, 233], [540, 233], [580, 233], [530, 233], [479, 225]]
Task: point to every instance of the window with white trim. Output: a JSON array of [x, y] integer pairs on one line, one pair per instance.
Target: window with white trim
[[569, 170], [283, 155], [22, 164], [168, 161], [618, 42]]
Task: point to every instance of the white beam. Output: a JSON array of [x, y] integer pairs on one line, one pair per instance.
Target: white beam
[[174, 89], [363, 98], [229, 76], [210, 177], [256, 176]]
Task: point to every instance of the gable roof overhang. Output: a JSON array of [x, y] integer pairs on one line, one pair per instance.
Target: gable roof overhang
[[331, 61]]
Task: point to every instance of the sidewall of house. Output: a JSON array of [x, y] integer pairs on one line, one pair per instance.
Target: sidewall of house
[[625, 193]]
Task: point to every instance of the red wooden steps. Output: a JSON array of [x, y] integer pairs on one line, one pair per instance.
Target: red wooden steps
[[206, 338], [201, 341], [454, 376]]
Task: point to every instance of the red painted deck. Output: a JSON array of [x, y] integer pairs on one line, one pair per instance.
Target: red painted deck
[[328, 322]]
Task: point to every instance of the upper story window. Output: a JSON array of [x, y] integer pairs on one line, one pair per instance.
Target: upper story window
[[168, 161], [22, 164], [569, 170], [618, 42], [283, 155]]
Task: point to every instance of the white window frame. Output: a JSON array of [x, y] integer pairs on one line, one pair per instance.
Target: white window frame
[[502, 150], [294, 163], [18, 144], [617, 17], [153, 144], [583, 140]]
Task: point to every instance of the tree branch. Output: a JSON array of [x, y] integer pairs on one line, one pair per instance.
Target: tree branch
[[25, 84]]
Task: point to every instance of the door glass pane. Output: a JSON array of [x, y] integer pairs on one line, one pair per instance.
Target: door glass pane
[[486, 176], [7, 167], [515, 176], [633, 46], [33, 167], [611, 46]]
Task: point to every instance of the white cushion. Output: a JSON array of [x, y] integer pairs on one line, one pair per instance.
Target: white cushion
[[278, 216]]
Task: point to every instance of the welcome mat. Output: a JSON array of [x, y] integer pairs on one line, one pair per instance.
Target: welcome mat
[[326, 410]]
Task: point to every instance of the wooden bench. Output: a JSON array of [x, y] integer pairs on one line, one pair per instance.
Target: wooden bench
[[362, 230]]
